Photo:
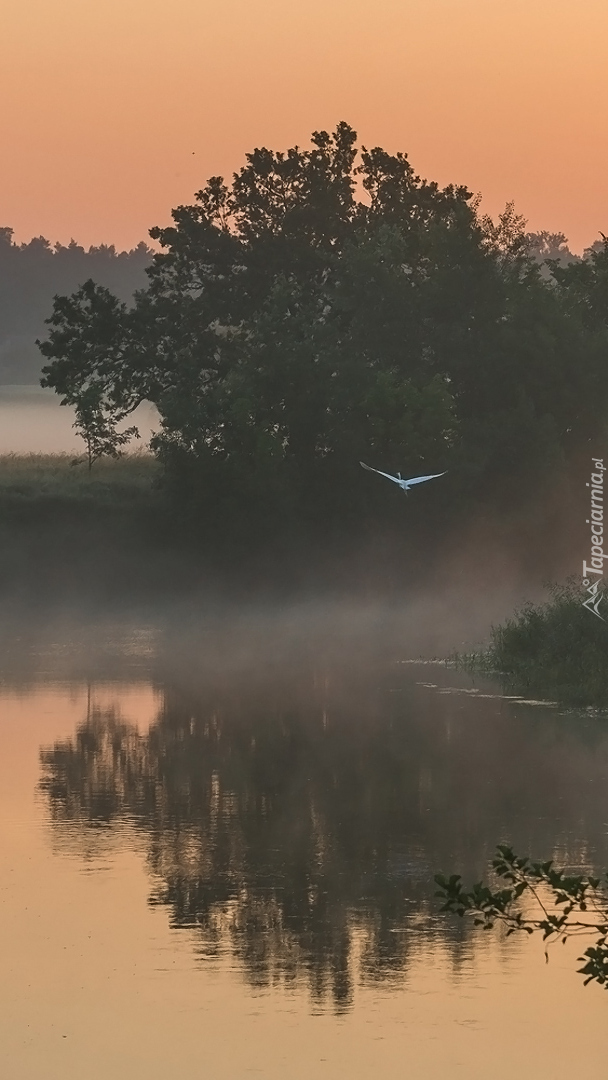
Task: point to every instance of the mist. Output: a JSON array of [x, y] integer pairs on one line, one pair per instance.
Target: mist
[[248, 710], [32, 421]]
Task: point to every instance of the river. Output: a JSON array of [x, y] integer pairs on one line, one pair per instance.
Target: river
[[217, 854]]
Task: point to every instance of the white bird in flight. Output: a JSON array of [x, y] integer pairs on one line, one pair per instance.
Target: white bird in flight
[[405, 485]]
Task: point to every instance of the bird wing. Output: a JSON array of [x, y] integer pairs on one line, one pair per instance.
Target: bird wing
[[388, 475], [421, 479]]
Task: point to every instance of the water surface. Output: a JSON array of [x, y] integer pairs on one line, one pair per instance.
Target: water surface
[[32, 421], [218, 848]]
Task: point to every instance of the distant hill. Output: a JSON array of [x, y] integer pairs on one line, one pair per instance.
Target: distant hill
[[31, 274]]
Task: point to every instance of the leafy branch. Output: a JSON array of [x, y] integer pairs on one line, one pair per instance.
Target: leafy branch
[[563, 906], [96, 423]]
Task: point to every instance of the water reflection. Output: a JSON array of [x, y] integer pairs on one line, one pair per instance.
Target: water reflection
[[296, 820]]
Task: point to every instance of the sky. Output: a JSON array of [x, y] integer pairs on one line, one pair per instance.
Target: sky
[[114, 111]]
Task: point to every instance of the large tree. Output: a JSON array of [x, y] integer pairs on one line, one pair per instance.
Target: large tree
[[329, 305]]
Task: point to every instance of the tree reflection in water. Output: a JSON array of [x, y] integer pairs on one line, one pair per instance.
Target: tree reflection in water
[[297, 824]]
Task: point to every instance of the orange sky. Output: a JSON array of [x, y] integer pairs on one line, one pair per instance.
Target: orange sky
[[113, 111]]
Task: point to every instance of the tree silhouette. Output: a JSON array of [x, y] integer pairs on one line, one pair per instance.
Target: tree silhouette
[[295, 323], [98, 427]]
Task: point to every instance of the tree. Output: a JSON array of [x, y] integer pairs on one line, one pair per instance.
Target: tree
[[84, 376], [564, 906], [547, 247], [97, 425], [584, 285], [291, 327]]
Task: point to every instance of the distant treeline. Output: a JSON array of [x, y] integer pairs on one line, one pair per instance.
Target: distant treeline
[[550, 249], [32, 274]]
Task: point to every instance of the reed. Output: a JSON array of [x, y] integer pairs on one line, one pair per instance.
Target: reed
[[558, 649]]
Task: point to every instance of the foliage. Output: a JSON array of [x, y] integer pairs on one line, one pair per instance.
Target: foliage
[[555, 649], [585, 283], [98, 427], [291, 328], [545, 247], [564, 905]]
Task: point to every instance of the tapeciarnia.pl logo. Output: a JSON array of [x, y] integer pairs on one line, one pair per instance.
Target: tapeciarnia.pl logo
[[593, 585]]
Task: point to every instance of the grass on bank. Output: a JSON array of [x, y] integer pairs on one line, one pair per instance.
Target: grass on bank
[[68, 535], [30, 478], [558, 649]]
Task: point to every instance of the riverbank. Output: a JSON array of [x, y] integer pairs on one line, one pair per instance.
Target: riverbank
[[40, 478], [119, 531], [558, 649], [65, 528], [116, 534], [119, 535]]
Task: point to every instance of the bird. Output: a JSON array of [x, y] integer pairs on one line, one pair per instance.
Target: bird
[[405, 485]]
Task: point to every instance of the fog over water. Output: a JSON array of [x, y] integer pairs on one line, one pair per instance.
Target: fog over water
[[221, 815], [217, 821], [32, 421]]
